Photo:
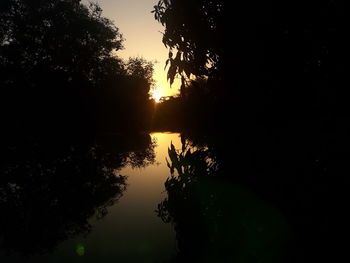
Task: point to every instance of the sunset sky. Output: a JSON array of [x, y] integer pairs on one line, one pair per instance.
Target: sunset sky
[[142, 34]]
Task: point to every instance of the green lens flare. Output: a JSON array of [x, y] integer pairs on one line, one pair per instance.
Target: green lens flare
[[80, 250]]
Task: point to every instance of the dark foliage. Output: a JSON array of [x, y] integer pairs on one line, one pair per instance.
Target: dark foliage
[[268, 62], [195, 30], [193, 110], [59, 74]]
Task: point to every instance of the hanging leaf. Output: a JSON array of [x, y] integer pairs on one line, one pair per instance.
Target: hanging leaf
[[166, 63], [171, 73], [180, 67], [187, 70]]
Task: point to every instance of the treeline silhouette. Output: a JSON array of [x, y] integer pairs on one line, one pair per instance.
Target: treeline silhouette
[[194, 109], [267, 63], [59, 73]]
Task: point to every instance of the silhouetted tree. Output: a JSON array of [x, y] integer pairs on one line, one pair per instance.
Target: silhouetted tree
[[58, 71], [60, 35], [140, 68], [123, 99], [267, 61], [53, 54], [192, 110]]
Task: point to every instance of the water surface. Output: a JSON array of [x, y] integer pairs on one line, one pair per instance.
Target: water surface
[[160, 198], [130, 231]]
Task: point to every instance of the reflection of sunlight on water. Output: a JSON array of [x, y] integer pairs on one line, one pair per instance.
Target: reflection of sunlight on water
[[163, 141], [133, 221], [132, 230], [147, 182]]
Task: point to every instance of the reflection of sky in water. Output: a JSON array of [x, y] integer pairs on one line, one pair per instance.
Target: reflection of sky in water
[[131, 231]]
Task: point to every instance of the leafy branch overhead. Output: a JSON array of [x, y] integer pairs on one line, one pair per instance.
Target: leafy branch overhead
[[193, 29]]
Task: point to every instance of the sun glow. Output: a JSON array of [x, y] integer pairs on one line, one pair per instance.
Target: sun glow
[[156, 94]]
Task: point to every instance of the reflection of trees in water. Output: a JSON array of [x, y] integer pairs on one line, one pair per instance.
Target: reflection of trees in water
[[243, 200], [139, 159], [48, 193], [134, 150], [216, 220]]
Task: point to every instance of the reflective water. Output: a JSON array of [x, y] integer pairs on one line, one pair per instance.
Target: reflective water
[[130, 231], [166, 198]]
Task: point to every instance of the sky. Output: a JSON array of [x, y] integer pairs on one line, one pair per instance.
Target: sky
[[143, 37]]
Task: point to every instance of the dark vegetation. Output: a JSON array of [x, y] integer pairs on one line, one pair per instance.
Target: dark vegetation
[[193, 110], [268, 63], [59, 74], [266, 180]]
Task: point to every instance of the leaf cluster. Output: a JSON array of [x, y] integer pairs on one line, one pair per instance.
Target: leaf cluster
[[193, 29]]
